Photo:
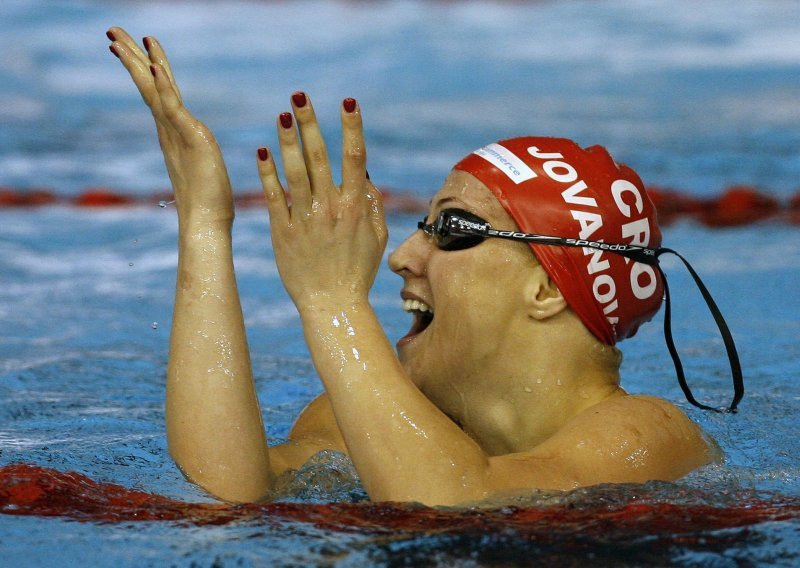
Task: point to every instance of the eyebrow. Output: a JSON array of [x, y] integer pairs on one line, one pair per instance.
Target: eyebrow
[[444, 200]]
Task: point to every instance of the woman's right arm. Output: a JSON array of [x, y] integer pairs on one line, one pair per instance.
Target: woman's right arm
[[214, 426]]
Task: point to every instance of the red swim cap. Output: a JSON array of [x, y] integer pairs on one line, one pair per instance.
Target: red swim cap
[[552, 186]]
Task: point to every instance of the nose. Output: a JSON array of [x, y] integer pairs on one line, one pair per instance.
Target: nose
[[411, 257]]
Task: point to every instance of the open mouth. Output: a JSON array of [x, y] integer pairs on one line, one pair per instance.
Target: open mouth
[[423, 316]]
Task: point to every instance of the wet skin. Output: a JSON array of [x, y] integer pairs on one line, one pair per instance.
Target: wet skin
[[503, 390], [478, 296]]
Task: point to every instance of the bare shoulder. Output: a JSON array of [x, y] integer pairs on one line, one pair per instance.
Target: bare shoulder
[[635, 438], [640, 412], [314, 430], [624, 439], [318, 420]]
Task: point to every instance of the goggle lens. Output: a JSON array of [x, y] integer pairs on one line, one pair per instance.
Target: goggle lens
[[450, 231]]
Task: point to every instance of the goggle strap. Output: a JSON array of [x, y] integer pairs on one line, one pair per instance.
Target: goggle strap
[[636, 253], [647, 256], [730, 346]]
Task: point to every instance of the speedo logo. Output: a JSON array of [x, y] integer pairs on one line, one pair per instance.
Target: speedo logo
[[598, 245], [515, 169], [464, 224]]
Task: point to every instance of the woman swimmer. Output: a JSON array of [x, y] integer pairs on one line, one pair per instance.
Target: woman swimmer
[[508, 379]]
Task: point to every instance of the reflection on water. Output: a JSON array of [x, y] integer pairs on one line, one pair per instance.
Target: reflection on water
[[87, 395]]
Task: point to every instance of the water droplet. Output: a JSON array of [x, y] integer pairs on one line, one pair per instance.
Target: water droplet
[[538, 381], [528, 389], [154, 325], [130, 264], [163, 203]]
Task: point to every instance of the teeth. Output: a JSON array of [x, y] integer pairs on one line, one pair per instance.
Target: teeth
[[416, 306]]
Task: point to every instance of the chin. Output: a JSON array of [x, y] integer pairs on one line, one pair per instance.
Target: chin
[[411, 370]]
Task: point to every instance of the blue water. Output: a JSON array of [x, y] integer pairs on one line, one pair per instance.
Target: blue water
[[692, 96]]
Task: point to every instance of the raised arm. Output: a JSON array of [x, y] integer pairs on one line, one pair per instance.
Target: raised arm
[[328, 244], [214, 426]]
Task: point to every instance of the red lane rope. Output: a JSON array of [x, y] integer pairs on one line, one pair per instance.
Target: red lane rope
[[27, 489], [736, 206]]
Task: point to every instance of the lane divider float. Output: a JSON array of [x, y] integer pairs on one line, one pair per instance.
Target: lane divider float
[[735, 206]]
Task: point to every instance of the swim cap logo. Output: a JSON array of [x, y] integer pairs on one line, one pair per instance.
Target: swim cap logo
[[515, 169]]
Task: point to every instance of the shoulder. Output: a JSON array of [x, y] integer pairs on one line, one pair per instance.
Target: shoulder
[[637, 413], [636, 438], [624, 439], [315, 430]]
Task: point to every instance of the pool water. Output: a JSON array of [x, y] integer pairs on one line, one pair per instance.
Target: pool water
[[82, 383], [693, 98]]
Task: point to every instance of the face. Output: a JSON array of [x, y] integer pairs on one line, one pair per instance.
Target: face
[[463, 302]]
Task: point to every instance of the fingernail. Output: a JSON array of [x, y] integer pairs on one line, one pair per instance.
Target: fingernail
[[263, 154], [299, 99], [113, 50], [153, 70], [110, 36], [146, 42], [366, 172], [286, 119], [349, 104]]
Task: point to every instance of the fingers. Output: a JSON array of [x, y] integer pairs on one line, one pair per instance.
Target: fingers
[[157, 55], [273, 191], [314, 153], [121, 37], [172, 108], [377, 214], [294, 166], [354, 151], [136, 63], [306, 162]]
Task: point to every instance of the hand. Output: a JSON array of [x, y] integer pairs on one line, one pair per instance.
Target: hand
[[193, 158], [329, 243]]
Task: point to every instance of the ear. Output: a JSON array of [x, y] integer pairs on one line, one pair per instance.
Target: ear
[[543, 298]]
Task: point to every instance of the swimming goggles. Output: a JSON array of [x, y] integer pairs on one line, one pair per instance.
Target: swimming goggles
[[456, 229]]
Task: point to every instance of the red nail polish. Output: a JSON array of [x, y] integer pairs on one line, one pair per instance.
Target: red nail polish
[[349, 104], [286, 119], [299, 99], [110, 36], [263, 154], [153, 70], [113, 50], [146, 42]]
